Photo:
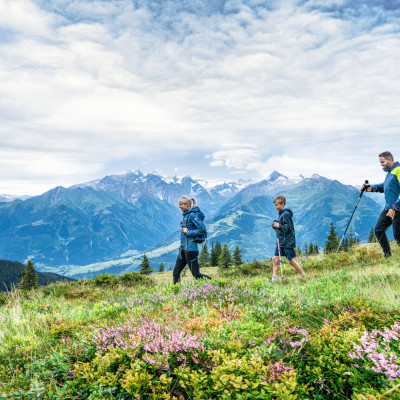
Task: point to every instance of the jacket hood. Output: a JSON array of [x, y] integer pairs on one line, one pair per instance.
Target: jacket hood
[[286, 210], [396, 164], [193, 209]]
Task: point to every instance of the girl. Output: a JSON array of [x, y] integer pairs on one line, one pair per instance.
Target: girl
[[191, 226]]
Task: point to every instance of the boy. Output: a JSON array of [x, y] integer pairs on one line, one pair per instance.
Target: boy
[[287, 242]]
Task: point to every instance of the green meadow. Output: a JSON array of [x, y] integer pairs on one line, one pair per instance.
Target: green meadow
[[334, 335]]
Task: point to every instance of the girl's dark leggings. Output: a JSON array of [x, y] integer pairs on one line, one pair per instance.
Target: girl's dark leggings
[[190, 258]]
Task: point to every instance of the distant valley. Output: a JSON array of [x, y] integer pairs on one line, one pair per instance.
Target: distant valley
[[106, 225]]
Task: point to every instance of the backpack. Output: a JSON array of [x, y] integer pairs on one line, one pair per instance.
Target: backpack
[[200, 238]]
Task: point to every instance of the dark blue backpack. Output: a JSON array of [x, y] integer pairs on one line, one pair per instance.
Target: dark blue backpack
[[200, 238]]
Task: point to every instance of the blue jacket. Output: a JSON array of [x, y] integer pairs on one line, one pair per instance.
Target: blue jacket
[[391, 187], [285, 231], [196, 228]]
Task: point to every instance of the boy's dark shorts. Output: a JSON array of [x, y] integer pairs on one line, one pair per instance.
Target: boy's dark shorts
[[286, 252]]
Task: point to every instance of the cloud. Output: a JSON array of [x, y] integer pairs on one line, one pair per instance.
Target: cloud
[[88, 83], [235, 159]]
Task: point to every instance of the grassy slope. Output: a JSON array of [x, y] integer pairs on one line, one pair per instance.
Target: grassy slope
[[31, 326]]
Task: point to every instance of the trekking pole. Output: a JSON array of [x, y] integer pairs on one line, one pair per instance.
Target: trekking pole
[[187, 252], [359, 198], [279, 252]]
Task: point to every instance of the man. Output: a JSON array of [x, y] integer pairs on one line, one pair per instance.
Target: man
[[391, 213]]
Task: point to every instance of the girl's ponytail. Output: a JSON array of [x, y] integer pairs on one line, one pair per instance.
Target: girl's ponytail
[[188, 200]]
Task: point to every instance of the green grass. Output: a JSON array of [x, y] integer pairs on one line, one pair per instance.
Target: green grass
[[240, 313]]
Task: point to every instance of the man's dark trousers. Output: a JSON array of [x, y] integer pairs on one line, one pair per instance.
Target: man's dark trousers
[[382, 226]]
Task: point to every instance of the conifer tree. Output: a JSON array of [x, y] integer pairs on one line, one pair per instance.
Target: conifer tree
[[237, 257], [298, 251], [204, 257], [305, 248], [346, 244], [352, 240], [316, 249], [145, 268], [332, 242], [161, 267], [310, 248], [29, 277], [372, 237], [216, 252], [225, 259]]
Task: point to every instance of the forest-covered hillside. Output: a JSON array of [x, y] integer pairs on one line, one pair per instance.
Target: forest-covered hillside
[[11, 275]]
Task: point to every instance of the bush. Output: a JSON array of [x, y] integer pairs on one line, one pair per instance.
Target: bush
[[246, 377], [105, 280], [327, 360], [135, 278]]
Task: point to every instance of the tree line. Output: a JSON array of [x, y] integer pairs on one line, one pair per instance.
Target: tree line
[[220, 256], [332, 241]]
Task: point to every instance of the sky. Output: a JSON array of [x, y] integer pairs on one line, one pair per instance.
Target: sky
[[214, 89]]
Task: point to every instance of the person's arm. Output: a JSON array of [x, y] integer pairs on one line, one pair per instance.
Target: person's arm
[[200, 227], [396, 204], [284, 224], [377, 187]]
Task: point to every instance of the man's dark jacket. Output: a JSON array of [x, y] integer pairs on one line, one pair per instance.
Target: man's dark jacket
[[285, 231]]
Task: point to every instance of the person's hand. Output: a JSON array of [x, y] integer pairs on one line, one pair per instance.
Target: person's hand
[[185, 230], [365, 187], [391, 213], [275, 225]]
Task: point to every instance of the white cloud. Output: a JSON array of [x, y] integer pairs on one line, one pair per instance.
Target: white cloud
[[90, 83], [235, 159]]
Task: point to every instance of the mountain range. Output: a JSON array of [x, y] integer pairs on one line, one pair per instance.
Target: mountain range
[[108, 224]]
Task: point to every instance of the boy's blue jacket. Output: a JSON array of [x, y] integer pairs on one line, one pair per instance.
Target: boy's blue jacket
[[285, 231], [391, 187], [196, 228]]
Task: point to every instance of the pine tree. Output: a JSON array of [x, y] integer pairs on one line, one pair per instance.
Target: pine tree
[[372, 237], [161, 267], [352, 240], [310, 249], [29, 277], [316, 249], [204, 257], [346, 245], [237, 257], [215, 253], [145, 268], [332, 242], [298, 251], [305, 248], [225, 259]]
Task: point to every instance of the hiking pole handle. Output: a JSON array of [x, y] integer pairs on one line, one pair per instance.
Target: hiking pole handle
[[364, 189]]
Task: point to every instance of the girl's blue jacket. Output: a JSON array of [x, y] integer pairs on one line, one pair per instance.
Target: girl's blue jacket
[[196, 228]]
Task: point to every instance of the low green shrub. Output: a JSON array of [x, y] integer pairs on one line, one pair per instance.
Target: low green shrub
[[326, 361]]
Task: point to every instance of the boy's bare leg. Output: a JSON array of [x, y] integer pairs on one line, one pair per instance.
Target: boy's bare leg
[[275, 265], [296, 265]]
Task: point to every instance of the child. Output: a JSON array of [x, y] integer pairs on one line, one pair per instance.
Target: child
[[287, 242]]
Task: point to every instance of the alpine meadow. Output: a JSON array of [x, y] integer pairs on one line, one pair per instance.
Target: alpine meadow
[[134, 336]]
